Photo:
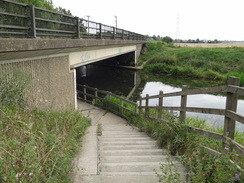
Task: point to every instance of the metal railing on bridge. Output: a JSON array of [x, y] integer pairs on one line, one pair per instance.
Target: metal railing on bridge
[[27, 21]]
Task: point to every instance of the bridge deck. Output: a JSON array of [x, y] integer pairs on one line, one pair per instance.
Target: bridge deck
[[121, 154]]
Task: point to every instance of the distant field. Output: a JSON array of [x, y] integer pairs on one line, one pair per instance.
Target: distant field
[[212, 45]]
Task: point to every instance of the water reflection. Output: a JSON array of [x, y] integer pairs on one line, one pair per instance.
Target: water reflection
[[202, 100], [113, 79]]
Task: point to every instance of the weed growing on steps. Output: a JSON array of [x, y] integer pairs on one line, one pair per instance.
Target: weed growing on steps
[[170, 173], [99, 129]]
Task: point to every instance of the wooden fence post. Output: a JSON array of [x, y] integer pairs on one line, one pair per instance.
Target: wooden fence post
[[33, 21], [136, 108], [84, 93], [122, 105], [108, 99], [183, 104], [140, 105], [96, 96], [160, 104], [231, 104], [147, 103]]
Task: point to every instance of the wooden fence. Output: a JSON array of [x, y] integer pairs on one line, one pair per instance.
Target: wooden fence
[[232, 91], [106, 100], [22, 20]]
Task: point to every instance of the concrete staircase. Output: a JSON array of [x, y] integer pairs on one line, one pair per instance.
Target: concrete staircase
[[123, 150], [122, 154]]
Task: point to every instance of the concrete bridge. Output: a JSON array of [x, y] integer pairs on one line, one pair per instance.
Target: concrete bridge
[[52, 63]]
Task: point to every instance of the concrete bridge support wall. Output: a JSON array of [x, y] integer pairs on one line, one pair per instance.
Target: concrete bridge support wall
[[51, 83], [138, 50]]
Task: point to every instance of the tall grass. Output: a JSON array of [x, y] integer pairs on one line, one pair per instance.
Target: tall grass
[[203, 63], [186, 146], [39, 146], [35, 146]]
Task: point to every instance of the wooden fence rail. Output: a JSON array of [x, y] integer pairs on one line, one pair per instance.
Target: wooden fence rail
[[22, 20], [104, 99], [232, 91]]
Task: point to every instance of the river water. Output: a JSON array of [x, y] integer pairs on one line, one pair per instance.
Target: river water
[[132, 84]]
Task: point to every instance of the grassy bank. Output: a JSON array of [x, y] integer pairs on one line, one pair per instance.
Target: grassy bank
[[36, 146], [204, 63]]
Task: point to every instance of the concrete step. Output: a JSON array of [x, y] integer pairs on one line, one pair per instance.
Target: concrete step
[[132, 152], [130, 167], [102, 139], [144, 158], [108, 143], [116, 132], [128, 147], [124, 135], [123, 177], [119, 127], [132, 173]]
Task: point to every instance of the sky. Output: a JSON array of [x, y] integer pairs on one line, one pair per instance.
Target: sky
[[183, 19]]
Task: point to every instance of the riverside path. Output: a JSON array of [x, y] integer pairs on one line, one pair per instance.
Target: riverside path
[[122, 154]]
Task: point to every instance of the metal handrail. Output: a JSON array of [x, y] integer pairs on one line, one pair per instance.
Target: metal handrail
[[39, 26]]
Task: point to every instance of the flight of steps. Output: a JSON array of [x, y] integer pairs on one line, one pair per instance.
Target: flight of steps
[[123, 150]]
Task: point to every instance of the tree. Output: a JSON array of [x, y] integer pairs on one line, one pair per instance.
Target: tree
[[167, 39], [45, 4], [216, 41]]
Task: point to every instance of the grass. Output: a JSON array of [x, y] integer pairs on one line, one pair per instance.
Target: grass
[[203, 63], [36, 146], [186, 146]]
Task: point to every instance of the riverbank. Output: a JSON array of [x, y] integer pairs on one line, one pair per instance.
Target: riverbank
[[202, 63]]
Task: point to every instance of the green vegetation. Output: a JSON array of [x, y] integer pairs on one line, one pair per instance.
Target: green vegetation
[[99, 129], [167, 39], [45, 4], [203, 63], [26, 22], [186, 146], [35, 146]]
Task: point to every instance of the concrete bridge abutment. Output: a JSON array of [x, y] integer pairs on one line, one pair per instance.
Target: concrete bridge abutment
[[50, 65], [50, 84]]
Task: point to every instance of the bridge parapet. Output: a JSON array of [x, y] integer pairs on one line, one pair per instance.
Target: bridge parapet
[[27, 21]]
